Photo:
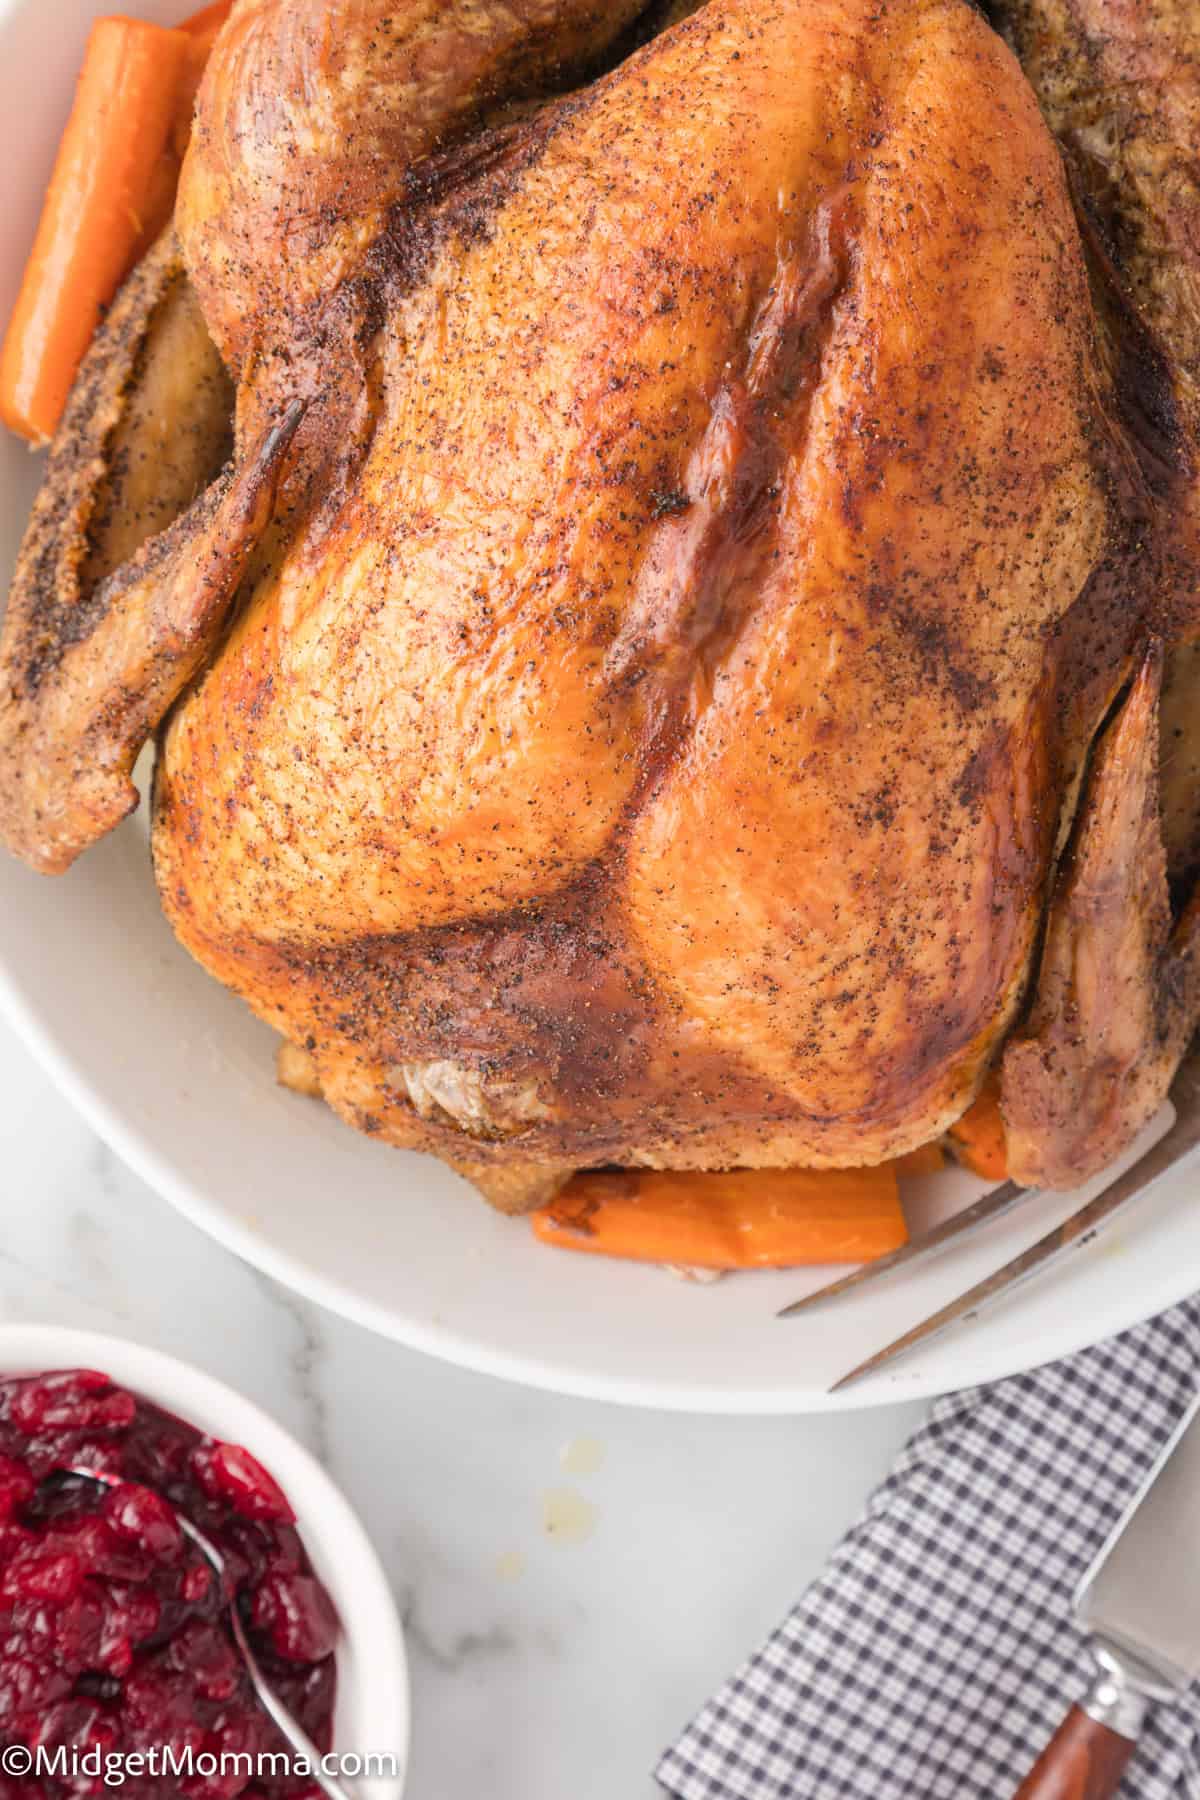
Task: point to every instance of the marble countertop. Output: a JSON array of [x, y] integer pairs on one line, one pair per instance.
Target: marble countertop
[[575, 1578]]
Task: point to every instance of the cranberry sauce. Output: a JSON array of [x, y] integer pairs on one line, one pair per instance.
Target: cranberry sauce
[[113, 1627]]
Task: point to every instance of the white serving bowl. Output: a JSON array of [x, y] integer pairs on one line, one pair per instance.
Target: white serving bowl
[[179, 1078], [372, 1712]]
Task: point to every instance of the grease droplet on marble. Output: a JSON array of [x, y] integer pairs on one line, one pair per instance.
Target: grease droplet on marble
[[582, 1456], [510, 1566], [567, 1518]]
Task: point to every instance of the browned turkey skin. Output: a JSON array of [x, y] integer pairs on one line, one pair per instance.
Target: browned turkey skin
[[672, 674], [1119, 986]]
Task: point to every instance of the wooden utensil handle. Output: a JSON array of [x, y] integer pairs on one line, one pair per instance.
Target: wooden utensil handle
[[1083, 1761]]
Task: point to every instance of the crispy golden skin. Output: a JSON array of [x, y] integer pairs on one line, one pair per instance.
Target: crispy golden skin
[[1119, 84], [1117, 997], [656, 755], [313, 117], [708, 517], [1119, 983], [111, 608]]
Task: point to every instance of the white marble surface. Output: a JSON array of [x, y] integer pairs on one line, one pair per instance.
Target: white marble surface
[[542, 1670]]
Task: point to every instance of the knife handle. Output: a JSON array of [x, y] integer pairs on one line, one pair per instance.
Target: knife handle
[[1088, 1754], [1085, 1760]]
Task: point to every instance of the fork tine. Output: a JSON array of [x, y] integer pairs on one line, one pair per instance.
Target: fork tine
[[992, 1205], [1168, 1152]]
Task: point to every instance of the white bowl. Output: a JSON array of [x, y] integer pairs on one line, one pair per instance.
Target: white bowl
[[179, 1078], [372, 1713]]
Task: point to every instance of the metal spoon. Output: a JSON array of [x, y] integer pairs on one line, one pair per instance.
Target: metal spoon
[[289, 1726]]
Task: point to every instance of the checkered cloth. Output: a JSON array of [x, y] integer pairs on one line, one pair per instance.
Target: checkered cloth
[[935, 1656]]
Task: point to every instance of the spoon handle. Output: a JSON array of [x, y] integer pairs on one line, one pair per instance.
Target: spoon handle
[[285, 1722]]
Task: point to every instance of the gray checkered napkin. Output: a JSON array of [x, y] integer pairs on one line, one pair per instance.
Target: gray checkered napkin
[[935, 1655]]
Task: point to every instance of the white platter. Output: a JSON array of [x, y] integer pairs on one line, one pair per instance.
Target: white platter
[[179, 1078]]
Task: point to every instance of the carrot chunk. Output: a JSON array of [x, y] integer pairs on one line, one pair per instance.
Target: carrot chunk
[[106, 200], [978, 1139], [747, 1219], [209, 20], [927, 1159]]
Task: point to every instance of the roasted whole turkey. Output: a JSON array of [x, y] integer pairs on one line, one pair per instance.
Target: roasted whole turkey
[[667, 595]]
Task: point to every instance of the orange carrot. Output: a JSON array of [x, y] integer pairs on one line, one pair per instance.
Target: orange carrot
[[927, 1159], [209, 20], [162, 183], [98, 213], [747, 1219], [978, 1139]]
